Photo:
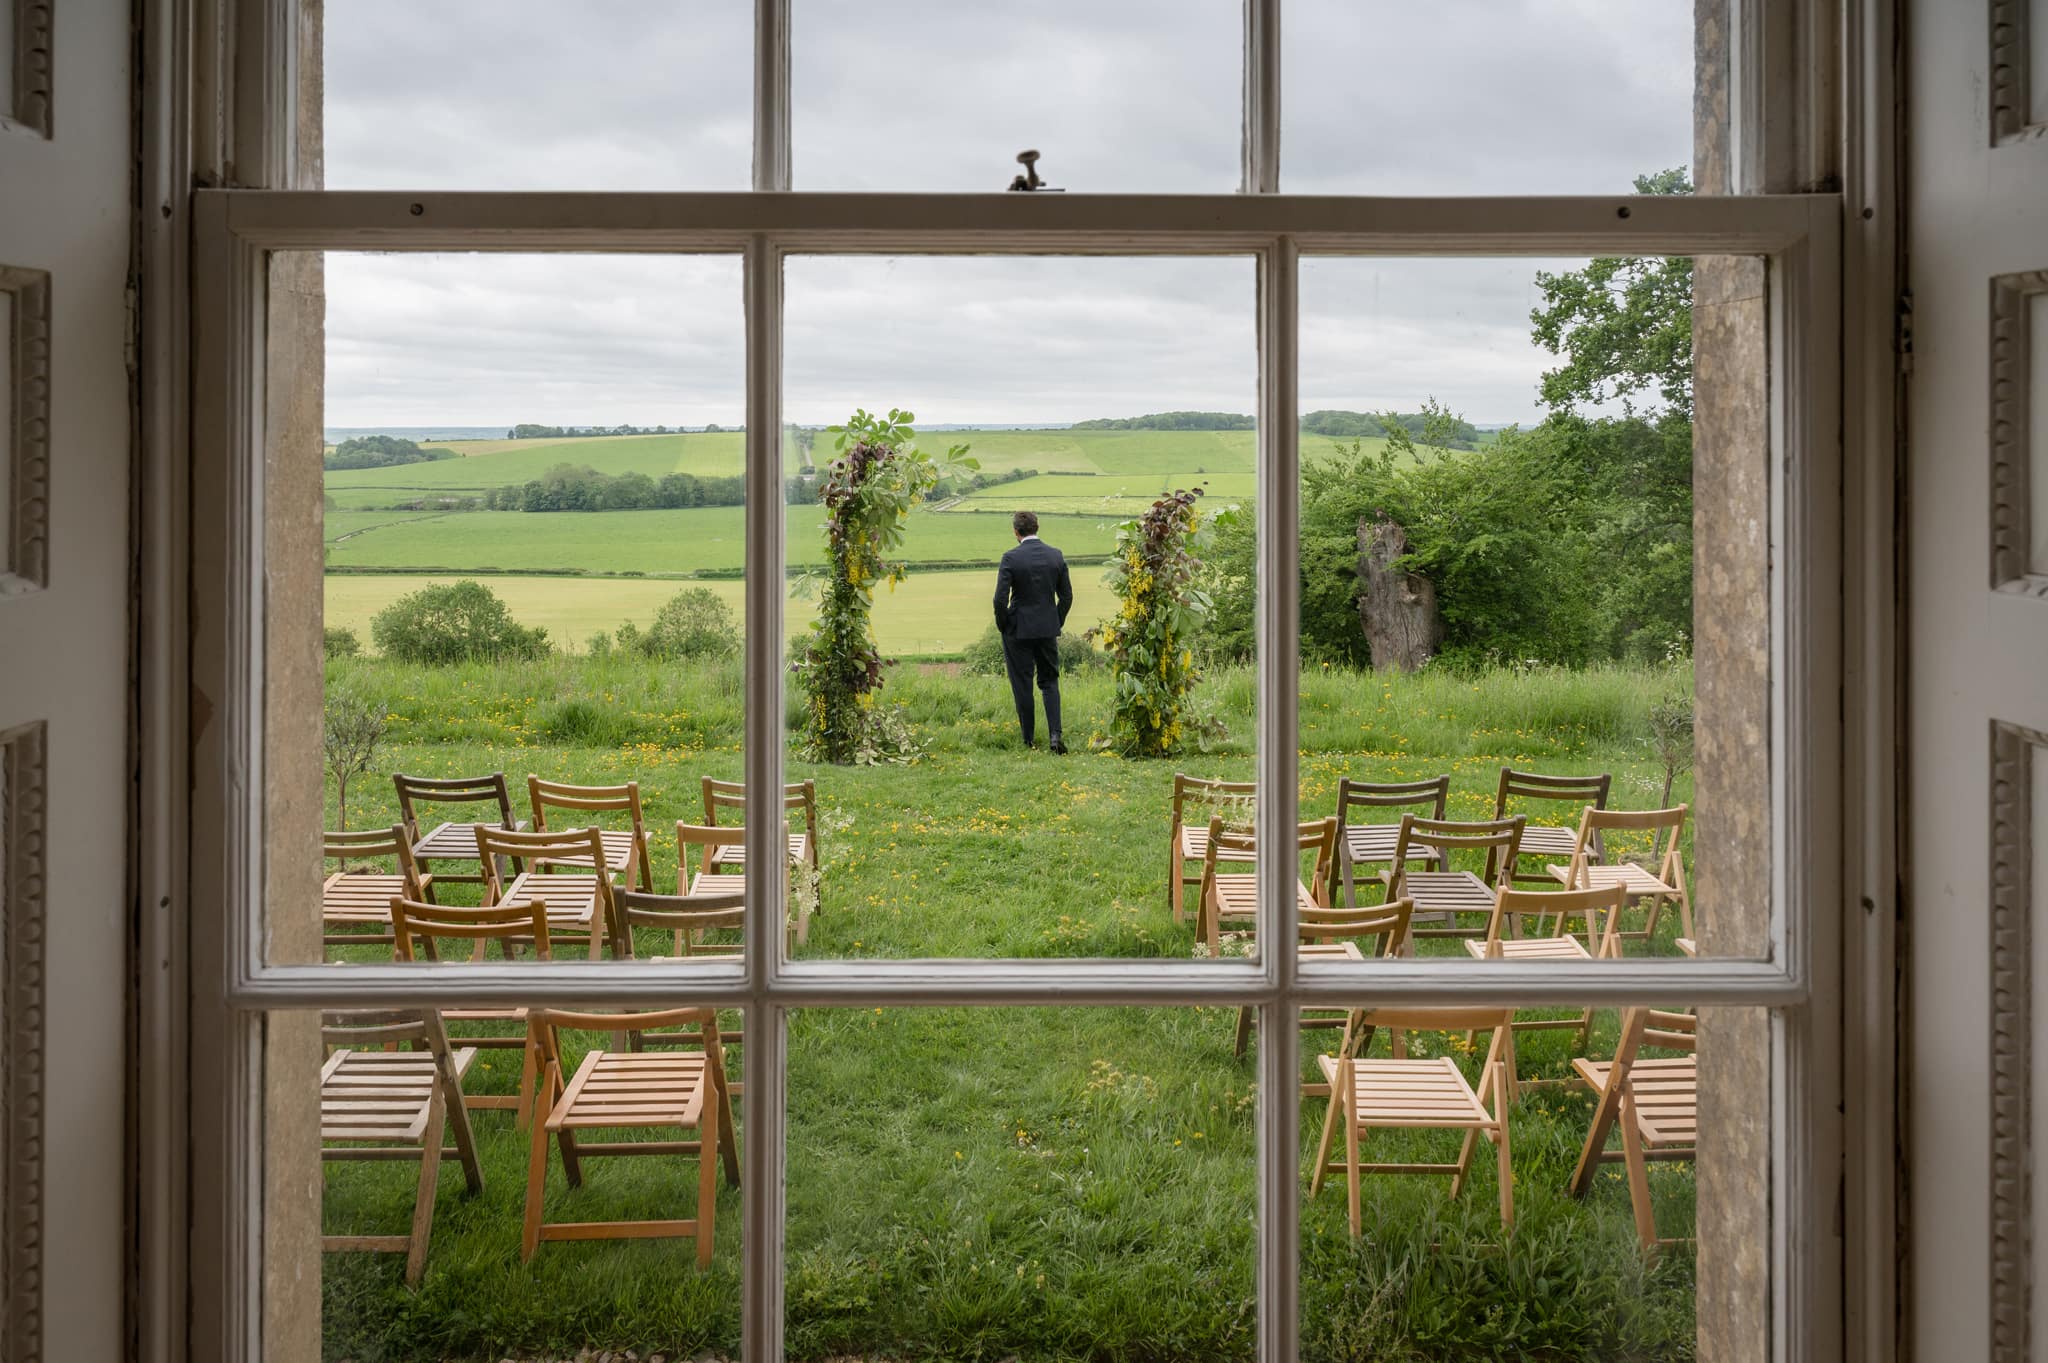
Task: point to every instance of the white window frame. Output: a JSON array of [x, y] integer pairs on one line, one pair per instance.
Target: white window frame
[[1799, 236]]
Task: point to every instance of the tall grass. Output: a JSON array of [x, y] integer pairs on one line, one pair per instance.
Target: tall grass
[[618, 701]]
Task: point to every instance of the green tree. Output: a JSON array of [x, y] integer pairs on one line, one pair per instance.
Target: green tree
[[452, 623], [353, 727], [1623, 324]]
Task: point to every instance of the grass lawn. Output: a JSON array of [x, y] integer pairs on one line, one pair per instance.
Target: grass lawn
[[685, 541], [1049, 1184], [929, 613]]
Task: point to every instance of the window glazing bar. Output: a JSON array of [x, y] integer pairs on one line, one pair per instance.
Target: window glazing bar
[[1101, 224], [771, 95], [1261, 111]]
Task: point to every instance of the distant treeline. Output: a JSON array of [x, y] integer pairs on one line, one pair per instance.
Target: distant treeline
[[528, 431], [578, 487], [380, 451], [1347, 425]]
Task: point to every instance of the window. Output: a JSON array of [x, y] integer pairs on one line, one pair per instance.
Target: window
[[1287, 258]]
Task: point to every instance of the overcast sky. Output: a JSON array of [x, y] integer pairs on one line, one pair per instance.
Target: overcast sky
[[1381, 96]]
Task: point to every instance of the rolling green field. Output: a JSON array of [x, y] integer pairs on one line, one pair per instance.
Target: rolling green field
[[684, 541], [928, 613]]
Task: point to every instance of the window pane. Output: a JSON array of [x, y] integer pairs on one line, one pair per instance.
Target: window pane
[[477, 1291], [1097, 396], [1125, 98], [1506, 613], [1430, 1270], [1044, 1183], [1528, 97], [533, 527], [524, 94]]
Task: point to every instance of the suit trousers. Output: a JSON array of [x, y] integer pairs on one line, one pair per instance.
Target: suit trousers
[[1023, 657]]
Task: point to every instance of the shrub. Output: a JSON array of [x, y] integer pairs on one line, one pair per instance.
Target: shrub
[[1150, 639], [695, 623], [984, 657], [452, 623], [353, 729], [338, 642]]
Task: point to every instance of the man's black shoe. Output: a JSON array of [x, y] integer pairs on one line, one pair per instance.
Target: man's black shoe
[[1058, 746]]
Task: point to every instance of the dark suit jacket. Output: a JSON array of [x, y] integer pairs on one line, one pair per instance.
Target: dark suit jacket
[[1033, 593]]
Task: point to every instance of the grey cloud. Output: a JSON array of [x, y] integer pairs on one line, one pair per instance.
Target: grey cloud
[[1513, 96]]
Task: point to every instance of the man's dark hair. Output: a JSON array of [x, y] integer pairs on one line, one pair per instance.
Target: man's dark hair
[[1024, 523]]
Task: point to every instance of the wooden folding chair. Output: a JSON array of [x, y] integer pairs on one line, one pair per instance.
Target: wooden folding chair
[[395, 1105], [1443, 895], [1420, 1095], [630, 1090], [1544, 839], [1234, 895], [1339, 933], [731, 797], [1655, 1101], [1365, 844], [705, 900], [422, 927], [1549, 939], [1189, 841], [1585, 870], [578, 903], [454, 842], [625, 849], [355, 905]]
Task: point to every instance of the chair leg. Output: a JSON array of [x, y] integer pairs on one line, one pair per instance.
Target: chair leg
[[1507, 1168], [1244, 1031], [1351, 1170], [1464, 1162], [1638, 1174], [528, 1074], [728, 1142], [1175, 887], [1596, 1145], [572, 1167], [707, 1191], [1315, 1184], [465, 1138], [430, 1178], [536, 1186]]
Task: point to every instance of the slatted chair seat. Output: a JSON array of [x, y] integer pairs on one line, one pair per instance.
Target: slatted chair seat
[[618, 852], [383, 1104], [1194, 846], [1417, 1094], [1410, 1093], [1237, 896], [381, 1095], [359, 899], [734, 855], [1376, 841], [683, 1091], [1664, 1092], [1533, 949], [456, 841], [1632, 879], [1547, 840], [1441, 895], [571, 900]]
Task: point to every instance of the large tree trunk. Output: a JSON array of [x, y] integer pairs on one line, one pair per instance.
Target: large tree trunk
[[1397, 608]]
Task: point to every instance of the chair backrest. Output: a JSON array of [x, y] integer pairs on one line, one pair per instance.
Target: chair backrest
[[1666, 825], [545, 1025], [356, 845], [1379, 929], [1530, 785], [1314, 835], [1435, 793], [1498, 838], [619, 799], [1600, 908], [521, 920], [1203, 791], [390, 1027], [1443, 1018], [732, 795], [703, 839], [1642, 1027], [460, 790], [684, 915]]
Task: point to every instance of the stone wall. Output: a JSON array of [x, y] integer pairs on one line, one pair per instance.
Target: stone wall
[[1731, 779], [294, 782]]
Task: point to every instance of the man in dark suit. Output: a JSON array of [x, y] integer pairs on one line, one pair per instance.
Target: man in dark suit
[[1033, 596]]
